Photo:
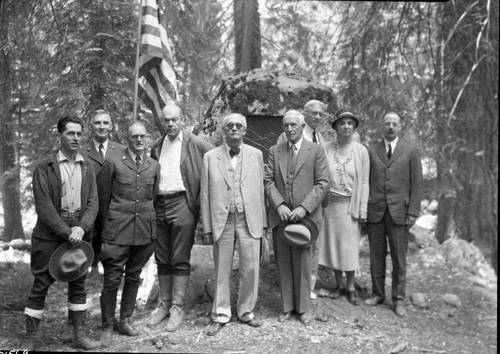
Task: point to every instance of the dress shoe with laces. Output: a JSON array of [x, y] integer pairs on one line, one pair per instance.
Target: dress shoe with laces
[[285, 316], [214, 328], [253, 323], [400, 309], [374, 301], [352, 296], [305, 318]]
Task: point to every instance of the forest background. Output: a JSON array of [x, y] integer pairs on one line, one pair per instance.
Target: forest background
[[434, 62]]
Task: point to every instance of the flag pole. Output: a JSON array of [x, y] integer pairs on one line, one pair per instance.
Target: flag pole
[[136, 73]]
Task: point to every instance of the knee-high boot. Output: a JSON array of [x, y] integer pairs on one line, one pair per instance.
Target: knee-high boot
[[108, 305], [127, 306], [165, 283], [82, 341], [176, 311]]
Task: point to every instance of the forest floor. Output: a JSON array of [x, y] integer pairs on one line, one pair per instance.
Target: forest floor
[[338, 326]]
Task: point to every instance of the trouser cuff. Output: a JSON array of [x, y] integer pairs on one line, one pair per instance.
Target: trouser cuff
[[34, 313]]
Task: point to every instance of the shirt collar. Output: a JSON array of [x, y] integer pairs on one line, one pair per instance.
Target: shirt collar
[[61, 157], [392, 143], [229, 148], [179, 138], [133, 155], [308, 133], [104, 144], [298, 144]]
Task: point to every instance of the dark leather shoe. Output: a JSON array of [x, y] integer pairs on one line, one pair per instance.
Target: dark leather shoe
[[126, 329], [254, 323], [283, 317], [374, 301], [352, 296], [214, 328], [305, 318], [336, 293], [400, 308]]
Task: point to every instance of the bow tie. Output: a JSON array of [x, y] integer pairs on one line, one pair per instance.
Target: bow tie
[[233, 152]]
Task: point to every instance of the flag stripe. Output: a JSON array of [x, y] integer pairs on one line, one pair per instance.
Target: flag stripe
[[157, 81]]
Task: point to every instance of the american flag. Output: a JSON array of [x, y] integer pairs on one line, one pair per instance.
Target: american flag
[[157, 83]]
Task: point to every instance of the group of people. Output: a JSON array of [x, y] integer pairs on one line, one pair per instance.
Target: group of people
[[313, 194]]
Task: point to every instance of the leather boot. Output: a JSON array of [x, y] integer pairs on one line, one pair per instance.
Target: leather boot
[[32, 324], [176, 311], [108, 305], [81, 341], [127, 306], [67, 336], [165, 283]]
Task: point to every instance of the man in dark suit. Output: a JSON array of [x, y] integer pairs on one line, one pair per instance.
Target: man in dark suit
[[180, 155], [393, 207], [296, 182], [97, 151], [129, 185], [233, 211]]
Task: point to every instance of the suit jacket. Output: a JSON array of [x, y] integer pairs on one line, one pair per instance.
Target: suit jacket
[[310, 182], [192, 151], [216, 190], [47, 187], [396, 183], [126, 201], [89, 152]]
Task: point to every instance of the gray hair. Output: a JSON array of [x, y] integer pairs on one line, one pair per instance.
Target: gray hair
[[226, 118], [299, 115], [311, 103]]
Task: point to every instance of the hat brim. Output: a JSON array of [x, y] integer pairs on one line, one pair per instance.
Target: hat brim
[[292, 240], [356, 121], [58, 253]]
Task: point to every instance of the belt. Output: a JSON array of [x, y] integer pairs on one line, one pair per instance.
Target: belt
[[68, 214], [172, 195]]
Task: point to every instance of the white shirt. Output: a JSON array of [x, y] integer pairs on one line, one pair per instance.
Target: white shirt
[[307, 133], [104, 146], [71, 178], [234, 159], [170, 166], [392, 143], [298, 144]]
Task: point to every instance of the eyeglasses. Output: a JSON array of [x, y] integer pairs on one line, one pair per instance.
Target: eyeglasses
[[232, 125], [316, 114], [137, 137]]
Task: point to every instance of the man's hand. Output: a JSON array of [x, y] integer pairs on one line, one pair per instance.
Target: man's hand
[[208, 238], [410, 221], [283, 212], [297, 214], [76, 236]]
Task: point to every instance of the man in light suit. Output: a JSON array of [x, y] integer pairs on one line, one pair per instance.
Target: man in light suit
[[180, 155], [314, 114], [296, 182], [97, 151], [233, 209], [393, 207]]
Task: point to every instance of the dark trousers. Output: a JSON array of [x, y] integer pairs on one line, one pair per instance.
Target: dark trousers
[[294, 274], [96, 244], [379, 234], [117, 259], [41, 251], [175, 226]]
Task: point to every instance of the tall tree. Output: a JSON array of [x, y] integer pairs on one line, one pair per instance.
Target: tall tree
[[247, 35]]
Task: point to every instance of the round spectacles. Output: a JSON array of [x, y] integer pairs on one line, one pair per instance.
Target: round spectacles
[[232, 125]]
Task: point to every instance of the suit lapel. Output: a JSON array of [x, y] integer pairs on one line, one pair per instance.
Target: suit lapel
[[245, 157], [302, 155], [184, 148], [92, 153], [398, 151], [282, 159], [221, 163], [381, 152], [127, 160]]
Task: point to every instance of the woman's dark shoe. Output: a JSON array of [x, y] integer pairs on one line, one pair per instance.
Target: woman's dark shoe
[[352, 296]]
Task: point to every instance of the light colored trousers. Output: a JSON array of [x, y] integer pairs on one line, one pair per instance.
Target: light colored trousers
[[236, 229]]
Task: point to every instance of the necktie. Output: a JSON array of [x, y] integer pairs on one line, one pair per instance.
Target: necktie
[[389, 152], [101, 152], [291, 159], [314, 137], [138, 161], [233, 152]]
